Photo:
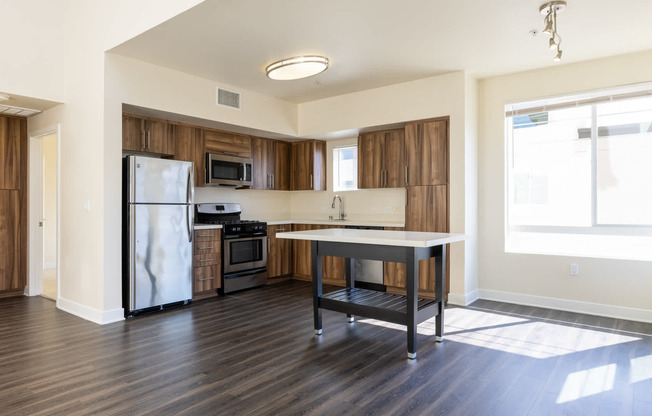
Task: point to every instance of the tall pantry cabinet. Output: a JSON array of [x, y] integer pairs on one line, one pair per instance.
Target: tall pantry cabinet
[[13, 205]]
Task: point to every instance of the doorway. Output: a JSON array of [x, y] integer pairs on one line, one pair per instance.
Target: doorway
[[44, 215]]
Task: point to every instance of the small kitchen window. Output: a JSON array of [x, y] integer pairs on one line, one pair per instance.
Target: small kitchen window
[[345, 168]]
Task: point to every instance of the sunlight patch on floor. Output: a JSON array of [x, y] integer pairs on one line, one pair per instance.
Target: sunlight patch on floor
[[523, 336], [587, 383], [640, 369]]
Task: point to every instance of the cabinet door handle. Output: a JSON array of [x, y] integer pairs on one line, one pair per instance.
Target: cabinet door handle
[[204, 235], [406, 174], [149, 138], [273, 181], [142, 138], [205, 261], [207, 278], [204, 248], [311, 187], [280, 229]]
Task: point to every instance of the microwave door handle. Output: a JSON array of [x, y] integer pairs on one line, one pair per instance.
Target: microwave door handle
[[244, 171], [209, 169]]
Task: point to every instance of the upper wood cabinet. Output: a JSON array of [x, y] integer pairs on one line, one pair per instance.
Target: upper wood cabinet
[[227, 143], [146, 135], [308, 165], [426, 152], [189, 146], [271, 168], [12, 131], [381, 159]]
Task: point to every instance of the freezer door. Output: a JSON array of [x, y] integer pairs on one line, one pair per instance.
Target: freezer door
[[160, 181], [160, 255]]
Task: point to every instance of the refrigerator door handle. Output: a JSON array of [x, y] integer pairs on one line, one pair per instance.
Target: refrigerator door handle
[[190, 187], [190, 212], [189, 222]]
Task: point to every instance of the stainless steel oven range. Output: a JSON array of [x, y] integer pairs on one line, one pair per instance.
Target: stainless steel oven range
[[244, 245]]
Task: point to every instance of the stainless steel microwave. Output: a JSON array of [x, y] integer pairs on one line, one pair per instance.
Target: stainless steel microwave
[[228, 170]]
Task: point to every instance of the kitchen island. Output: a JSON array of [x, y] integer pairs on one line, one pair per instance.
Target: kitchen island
[[407, 247]]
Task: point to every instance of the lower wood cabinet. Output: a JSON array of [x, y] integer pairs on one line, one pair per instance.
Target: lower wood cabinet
[[207, 263], [279, 252], [332, 267], [13, 205], [426, 210]]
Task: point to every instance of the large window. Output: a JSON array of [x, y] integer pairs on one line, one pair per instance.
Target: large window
[[579, 174], [345, 168]]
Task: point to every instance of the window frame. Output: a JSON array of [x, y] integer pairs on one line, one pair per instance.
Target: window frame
[[592, 98]]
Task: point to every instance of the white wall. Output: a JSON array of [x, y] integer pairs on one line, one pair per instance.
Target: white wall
[[443, 95], [31, 63], [609, 287], [90, 271]]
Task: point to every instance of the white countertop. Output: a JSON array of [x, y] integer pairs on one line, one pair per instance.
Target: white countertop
[[380, 237], [343, 223], [207, 226]]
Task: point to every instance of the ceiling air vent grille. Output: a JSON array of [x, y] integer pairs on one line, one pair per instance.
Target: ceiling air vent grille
[[228, 98]]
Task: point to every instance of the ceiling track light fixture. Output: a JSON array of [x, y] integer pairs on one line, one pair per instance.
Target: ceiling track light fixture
[[297, 67], [550, 10]]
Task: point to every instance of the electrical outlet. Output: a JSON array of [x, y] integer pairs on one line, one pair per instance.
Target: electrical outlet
[[574, 269], [397, 209], [388, 209]]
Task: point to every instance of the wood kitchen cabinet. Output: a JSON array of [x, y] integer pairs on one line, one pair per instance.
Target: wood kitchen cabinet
[[13, 205], [141, 134], [207, 263], [189, 147], [381, 159], [308, 163], [279, 252], [226, 143], [271, 167], [426, 152], [332, 267]]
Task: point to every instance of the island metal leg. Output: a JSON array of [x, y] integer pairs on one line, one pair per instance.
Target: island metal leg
[[348, 267], [316, 286], [440, 290], [412, 288]]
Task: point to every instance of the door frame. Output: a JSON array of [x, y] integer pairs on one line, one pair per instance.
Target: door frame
[[35, 211]]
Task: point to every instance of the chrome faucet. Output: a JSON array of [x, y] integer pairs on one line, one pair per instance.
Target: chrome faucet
[[341, 216]]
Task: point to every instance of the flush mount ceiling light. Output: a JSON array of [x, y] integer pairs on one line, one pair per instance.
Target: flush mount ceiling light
[[550, 10], [296, 68]]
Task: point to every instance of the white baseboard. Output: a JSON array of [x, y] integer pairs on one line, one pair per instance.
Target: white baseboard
[[463, 299], [619, 312], [91, 314]]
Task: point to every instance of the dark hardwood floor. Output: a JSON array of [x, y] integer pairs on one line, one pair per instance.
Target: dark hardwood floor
[[254, 353]]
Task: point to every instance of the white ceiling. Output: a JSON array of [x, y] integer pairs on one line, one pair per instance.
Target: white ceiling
[[372, 43]]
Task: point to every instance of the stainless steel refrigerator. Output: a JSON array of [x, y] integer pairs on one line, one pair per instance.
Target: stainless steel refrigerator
[[157, 233]]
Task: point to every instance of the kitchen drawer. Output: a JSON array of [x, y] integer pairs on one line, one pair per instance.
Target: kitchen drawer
[[208, 259], [207, 235], [207, 247], [206, 278]]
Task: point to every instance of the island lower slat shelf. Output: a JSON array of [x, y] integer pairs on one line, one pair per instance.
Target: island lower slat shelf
[[377, 305]]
